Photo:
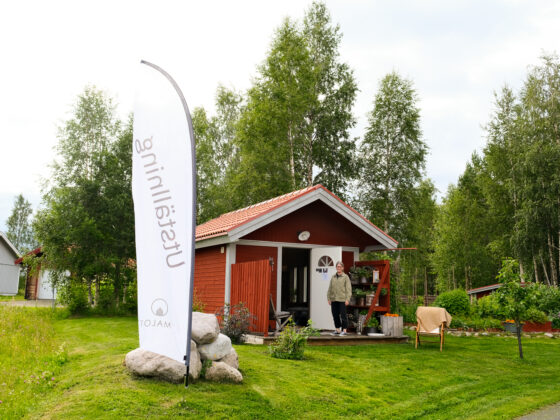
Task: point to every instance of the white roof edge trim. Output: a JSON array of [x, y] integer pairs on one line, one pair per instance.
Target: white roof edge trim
[[218, 240], [304, 200], [10, 244]]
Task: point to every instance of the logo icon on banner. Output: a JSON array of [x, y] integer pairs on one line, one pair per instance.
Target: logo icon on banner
[[159, 307]]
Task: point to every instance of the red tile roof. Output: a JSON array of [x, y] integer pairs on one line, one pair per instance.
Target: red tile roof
[[227, 222]]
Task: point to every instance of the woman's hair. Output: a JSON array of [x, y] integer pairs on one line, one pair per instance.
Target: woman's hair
[[339, 263]]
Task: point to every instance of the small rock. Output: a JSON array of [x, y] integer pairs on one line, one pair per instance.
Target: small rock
[[549, 335], [476, 334], [468, 334], [222, 372], [484, 334], [217, 349], [205, 327], [231, 359]]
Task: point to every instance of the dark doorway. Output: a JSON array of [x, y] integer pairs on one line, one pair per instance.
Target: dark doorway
[[295, 283]]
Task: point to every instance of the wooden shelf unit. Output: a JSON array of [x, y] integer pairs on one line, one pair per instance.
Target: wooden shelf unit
[[379, 304]]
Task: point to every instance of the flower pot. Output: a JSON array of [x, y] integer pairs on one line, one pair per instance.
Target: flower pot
[[371, 330], [369, 299], [510, 327], [363, 280], [352, 300], [360, 301]]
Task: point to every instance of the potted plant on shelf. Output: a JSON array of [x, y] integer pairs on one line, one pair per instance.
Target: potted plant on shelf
[[370, 295], [365, 274], [372, 325], [360, 297], [354, 275]]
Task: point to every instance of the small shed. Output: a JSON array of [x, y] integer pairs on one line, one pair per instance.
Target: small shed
[[285, 250], [480, 292], [37, 285], [9, 272]]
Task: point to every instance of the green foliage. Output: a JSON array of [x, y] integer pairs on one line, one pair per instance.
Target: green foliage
[[518, 301], [456, 302], [487, 307], [291, 342], [197, 304], [408, 312], [235, 321], [392, 155], [216, 155], [295, 129], [19, 228], [87, 224], [476, 323], [536, 315], [75, 297], [373, 322]]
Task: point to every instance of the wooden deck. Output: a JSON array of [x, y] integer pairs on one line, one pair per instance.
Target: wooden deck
[[325, 339]]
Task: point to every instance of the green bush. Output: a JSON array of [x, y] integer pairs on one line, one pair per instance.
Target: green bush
[[536, 315], [75, 297], [408, 312], [487, 307], [455, 301], [291, 342], [548, 299], [556, 323], [235, 321], [475, 323]]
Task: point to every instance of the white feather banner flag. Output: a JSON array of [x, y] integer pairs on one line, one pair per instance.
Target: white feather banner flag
[[163, 187]]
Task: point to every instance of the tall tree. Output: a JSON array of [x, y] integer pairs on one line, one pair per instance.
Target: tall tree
[[464, 228], [216, 154], [392, 154], [298, 115], [19, 230], [86, 226]]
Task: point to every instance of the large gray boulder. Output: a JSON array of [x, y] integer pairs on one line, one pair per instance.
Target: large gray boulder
[[146, 363], [205, 327], [217, 349], [222, 372], [231, 359]]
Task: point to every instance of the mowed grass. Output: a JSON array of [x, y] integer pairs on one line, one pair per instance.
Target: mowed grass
[[475, 377]]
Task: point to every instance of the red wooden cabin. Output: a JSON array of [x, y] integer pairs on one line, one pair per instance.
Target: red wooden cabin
[[287, 248]]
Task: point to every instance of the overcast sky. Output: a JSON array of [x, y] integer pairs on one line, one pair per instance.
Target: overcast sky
[[457, 53]]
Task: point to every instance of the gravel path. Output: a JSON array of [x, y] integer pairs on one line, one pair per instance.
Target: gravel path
[[549, 413]]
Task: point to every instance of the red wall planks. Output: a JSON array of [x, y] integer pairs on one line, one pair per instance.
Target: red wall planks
[[209, 277], [326, 226]]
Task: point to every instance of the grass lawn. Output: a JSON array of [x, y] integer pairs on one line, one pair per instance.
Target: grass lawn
[[475, 377], [10, 298]]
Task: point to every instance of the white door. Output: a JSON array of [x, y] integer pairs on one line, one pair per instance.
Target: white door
[[45, 289], [323, 262]]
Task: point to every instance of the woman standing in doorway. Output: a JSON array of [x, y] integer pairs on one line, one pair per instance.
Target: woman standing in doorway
[[338, 296]]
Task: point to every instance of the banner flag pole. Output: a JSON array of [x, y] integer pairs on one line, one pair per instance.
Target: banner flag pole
[[164, 192]]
